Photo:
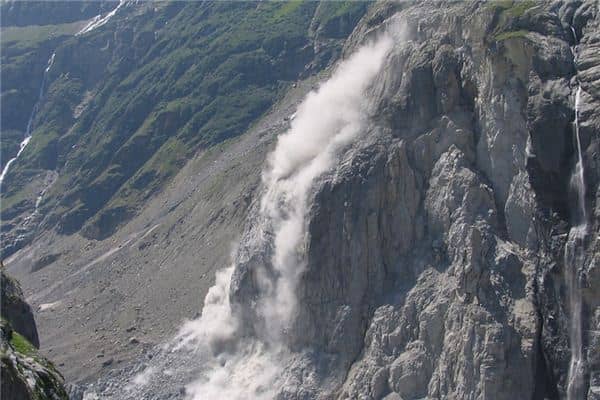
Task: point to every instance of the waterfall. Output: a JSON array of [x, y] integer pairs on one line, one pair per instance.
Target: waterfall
[[574, 258], [98, 20], [34, 111], [578, 176]]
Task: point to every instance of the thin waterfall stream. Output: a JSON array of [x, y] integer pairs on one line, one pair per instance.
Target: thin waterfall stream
[[574, 258], [99, 20], [34, 111]]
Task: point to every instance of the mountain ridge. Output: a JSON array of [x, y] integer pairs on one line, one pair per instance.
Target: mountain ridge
[[104, 137]]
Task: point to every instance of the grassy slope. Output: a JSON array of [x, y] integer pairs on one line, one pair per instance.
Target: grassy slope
[[24, 52], [178, 78], [509, 12]]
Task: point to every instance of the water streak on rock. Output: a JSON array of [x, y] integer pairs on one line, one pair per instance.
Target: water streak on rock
[[34, 111], [574, 259]]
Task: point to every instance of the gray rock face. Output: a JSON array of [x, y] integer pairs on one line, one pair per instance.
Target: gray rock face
[[16, 311], [26, 375], [435, 250]]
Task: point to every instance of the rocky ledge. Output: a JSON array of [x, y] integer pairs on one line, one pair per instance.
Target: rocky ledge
[[25, 373]]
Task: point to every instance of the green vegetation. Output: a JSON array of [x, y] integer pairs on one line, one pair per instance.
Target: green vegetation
[[288, 8], [338, 18], [335, 9], [511, 35], [178, 78], [28, 37], [25, 363], [512, 8], [509, 15], [24, 56], [43, 13], [21, 73], [22, 345], [13, 202], [519, 8]]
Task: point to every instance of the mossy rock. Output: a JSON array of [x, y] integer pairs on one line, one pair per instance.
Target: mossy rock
[[16, 312], [520, 34], [26, 374], [509, 18]]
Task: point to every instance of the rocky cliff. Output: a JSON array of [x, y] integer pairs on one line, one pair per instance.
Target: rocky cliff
[[467, 170], [25, 373], [451, 251], [447, 275]]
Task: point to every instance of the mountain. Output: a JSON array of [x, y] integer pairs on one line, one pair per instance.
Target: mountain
[[117, 113], [120, 110], [375, 200]]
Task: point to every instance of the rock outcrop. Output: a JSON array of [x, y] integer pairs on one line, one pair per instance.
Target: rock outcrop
[[16, 311], [25, 373], [435, 263]]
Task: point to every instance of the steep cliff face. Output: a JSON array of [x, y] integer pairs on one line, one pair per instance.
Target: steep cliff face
[[17, 311], [25, 373], [448, 249], [437, 258], [436, 250]]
